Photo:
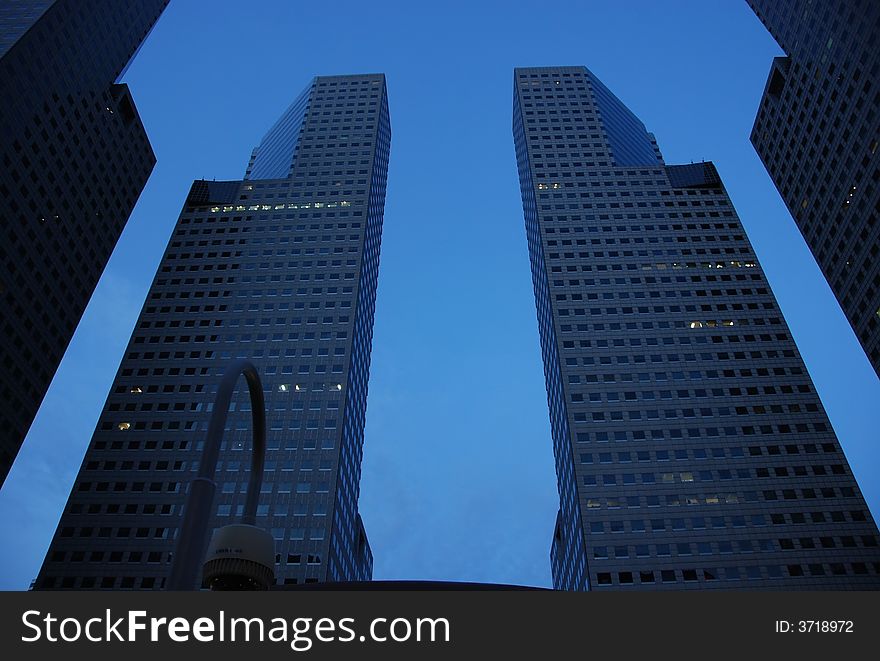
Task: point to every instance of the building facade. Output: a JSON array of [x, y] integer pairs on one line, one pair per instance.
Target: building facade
[[280, 268], [692, 451], [75, 158], [817, 132]]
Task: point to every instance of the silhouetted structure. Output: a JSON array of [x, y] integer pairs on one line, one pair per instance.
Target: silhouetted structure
[[817, 132], [281, 269], [692, 450], [75, 157]]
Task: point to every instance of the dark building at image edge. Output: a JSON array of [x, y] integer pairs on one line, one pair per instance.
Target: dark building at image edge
[[692, 451], [280, 268], [817, 132], [75, 158]]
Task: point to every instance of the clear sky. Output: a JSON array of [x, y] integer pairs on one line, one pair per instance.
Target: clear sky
[[458, 478]]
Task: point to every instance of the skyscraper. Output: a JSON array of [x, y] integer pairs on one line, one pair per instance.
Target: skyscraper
[[817, 132], [691, 448], [75, 157], [280, 268]]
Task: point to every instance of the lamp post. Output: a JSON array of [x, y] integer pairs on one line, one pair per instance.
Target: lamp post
[[238, 551]]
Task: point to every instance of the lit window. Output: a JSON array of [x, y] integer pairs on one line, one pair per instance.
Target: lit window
[[123, 426], [135, 390], [284, 387]]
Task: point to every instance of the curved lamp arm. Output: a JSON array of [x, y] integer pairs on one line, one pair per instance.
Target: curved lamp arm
[[193, 538]]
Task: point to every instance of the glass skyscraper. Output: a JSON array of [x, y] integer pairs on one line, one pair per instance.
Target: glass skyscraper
[[75, 158], [280, 268], [817, 133], [692, 451]]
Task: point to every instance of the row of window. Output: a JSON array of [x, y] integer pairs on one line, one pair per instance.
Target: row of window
[[632, 292], [763, 392], [632, 216], [130, 582], [721, 474], [122, 532], [585, 437], [715, 498], [629, 340], [685, 454], [135, 487], [176, 355], [156, 557], [740, 521], [151, 557], [273, 442], [638, 358], [118, 508], [257, 293], [688, 323], [222, 221], [674, 414], [245, 265], [571, 268], [619, 231], [629, 377], [725, 547], [160, 465], [751, 572]]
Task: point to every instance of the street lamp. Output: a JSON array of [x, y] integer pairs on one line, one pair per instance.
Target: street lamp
[[240, 556]]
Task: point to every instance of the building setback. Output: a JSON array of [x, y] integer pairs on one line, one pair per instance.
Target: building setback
[[280, 268], [817, 132], [692, 451], [75, 158]]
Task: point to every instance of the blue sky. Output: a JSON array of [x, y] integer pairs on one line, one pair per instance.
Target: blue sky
[[458, 479]]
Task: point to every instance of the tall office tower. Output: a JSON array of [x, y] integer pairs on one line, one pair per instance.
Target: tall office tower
[[75, 157], [280, 268], [691, 448], [817, 132]]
